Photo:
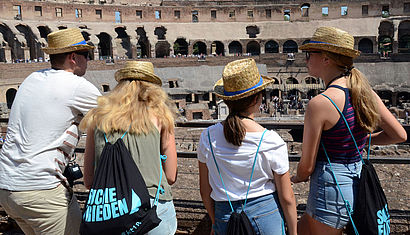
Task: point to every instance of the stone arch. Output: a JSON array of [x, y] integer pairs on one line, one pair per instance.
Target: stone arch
[[253, 48], [271, 47], [32, 42], [104, 45], [312, 80], [217, 48], [199, 48], [16, 52], [386, 96], [404, 37], [365, 45], [123, 43], [162, 49], [235, 47], [160, 32], [143, 45], [44, 31], [290, 46], [291, 80], [386, 28], [403, 97], [10, 95], [180, 47]]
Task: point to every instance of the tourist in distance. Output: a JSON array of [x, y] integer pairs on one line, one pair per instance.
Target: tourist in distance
[[329, 55], [139, 106], [41, 137], [233, 145]]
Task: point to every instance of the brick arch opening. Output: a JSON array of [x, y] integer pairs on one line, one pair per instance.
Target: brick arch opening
[[104, 46], [253, 48], [143, 45], [162, 49], [10, 95], [235, 47], [199, 48]]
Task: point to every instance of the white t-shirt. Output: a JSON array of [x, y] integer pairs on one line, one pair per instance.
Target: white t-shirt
[[42, 130], [235, 163]]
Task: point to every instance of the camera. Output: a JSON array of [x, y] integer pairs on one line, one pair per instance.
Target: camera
[[72, 172]]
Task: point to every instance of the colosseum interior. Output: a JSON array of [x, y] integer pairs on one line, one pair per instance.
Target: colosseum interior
[[189, 42]]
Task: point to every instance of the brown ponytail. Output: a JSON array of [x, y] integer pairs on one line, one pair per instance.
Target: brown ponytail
[[234, 130]]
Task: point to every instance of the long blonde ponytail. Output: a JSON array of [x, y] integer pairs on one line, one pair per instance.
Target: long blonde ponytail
[[363, 100]]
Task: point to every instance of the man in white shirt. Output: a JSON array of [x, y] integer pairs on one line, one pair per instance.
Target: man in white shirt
[[41, 137]]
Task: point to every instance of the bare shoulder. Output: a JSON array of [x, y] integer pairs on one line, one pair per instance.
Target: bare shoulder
[[318, 103]]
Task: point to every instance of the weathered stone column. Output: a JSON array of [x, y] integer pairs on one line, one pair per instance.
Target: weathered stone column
[[7, 54], [26, 53]]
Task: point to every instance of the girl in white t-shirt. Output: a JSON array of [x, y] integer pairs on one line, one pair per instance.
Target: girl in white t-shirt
[[239, 146]]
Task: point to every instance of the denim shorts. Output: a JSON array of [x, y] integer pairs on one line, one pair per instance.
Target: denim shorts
[[166, 212], [264, 213], [325, 203]]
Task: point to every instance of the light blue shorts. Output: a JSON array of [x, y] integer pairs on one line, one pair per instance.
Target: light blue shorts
[[325, 203], [166, 212], [264, 213]]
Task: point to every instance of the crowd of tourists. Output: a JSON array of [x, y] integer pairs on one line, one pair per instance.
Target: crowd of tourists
[[130, 160]]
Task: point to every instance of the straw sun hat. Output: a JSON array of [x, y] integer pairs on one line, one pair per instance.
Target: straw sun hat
[[240, 79], [138, 70], [333, 40], [66, 40]]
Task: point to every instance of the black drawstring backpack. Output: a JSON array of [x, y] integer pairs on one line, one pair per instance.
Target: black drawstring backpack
[[119, 202], [239, 223], [371, 212]]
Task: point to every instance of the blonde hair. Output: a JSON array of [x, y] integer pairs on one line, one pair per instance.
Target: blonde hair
[[363, 101], [131, 105]]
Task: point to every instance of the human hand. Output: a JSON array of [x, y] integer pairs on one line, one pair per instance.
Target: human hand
[[295, 179]]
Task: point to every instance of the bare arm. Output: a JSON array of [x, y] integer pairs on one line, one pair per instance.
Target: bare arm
[[205, 190], [89, 156], [392, 131], [168, 148], [313, 126], [287, 201]]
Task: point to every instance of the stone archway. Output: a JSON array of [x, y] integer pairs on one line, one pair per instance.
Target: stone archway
[[162, 49], [180, 47], [271, 47], [199, 48], [404, 37], [16, 51], [235, 48], [104, 46], [253, 48], [32, 42], [143, 45], [123, 43], [10, 95], [218, 48], [365, 45], [290, 46]]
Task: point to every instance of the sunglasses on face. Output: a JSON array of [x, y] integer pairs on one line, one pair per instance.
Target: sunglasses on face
[[310, 52], [86, 54]]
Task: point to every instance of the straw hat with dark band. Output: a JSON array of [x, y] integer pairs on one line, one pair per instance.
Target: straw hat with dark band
[[240, 79], [333, 40], [138, 70], [66, 40]]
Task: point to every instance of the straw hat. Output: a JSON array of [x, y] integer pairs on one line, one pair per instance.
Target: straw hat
[[138, 70], [333, 40], [240, 79], [66, 40]]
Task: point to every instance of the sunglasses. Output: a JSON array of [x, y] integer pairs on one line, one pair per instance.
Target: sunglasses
[[310, 52], [86, 54]]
